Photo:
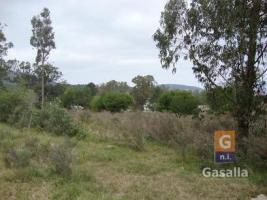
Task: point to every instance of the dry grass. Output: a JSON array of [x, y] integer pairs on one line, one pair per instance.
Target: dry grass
[[103, 168], [181, 133]]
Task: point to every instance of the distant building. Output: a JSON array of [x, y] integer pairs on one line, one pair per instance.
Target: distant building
[[147, 106], [204, 108]]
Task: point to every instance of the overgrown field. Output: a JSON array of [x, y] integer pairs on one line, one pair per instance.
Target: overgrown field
[[122, 156]]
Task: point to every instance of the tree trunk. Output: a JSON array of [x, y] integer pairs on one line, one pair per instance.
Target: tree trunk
[[246, 95], [43, 89], [243, 135]]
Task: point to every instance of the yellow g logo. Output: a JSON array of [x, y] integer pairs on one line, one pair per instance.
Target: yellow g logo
[[224, 141]]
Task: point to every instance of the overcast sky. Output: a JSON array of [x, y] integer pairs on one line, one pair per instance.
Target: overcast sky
[[96, 40]]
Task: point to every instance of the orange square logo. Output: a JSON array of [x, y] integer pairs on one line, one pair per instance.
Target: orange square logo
[[224, 141]]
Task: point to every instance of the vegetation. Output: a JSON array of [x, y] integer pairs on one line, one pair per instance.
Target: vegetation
[[77, 96], [16, 106], [4, 46], [98, 168], [56, 120], [114, 86], [143, 90], [181, 103], [112, 101], [238, 62], [43, 40], [113, 141]]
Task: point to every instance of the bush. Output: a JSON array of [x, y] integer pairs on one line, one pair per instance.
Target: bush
[[61, 158], [17, 158], [116, 102], [181, 103], [97, 103], [56, 120], [77, 96], [16, 106], [112, 101]]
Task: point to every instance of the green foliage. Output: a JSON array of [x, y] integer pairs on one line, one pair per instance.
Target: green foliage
[[54, 91], [217, 100], [17, 158], [61, 158], [116, 102], [156, 93], [97, 103], [16, 106], [92, 87], [112, 101], [77, 96], [42, 35], [180, 102], [4, 46], [165, 100], [43, 40], [114, 86], [197, 31], [143, 90], [56, 120]]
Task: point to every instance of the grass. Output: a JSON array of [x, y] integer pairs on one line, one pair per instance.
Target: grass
[[102, 169]]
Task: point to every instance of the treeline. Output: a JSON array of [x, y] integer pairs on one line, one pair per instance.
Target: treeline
[[117, 96], [33, 94]]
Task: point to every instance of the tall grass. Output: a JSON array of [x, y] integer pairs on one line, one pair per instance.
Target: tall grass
[[186, 134]]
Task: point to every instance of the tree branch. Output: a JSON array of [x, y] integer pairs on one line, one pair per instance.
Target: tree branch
[[211, 81], [261, 54]]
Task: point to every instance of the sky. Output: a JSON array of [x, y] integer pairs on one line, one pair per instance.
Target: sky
[[96, 40]]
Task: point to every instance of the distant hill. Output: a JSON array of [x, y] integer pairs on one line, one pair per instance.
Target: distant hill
[[181, 87]]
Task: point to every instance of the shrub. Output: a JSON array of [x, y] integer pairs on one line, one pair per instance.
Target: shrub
[[116, 102], [97, 103], [16, 106], [131, 130], [77, 96], [85, 116], [185, 133], [17, 158], [112, 101], [61, 158], [56, 120], [180, 102], [164, 102]]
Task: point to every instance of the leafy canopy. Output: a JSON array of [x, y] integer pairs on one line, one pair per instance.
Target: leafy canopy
[[179, 102], [226, 42], [112, 101]]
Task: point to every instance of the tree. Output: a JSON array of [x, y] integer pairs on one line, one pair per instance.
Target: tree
[[116, 102], [49, 73], [226, 41], [43, 40], [112, 101], [92, 87], [4, 46], [180, 103], [156, 93], [217, 100], [164, 101], [22, 73], [54, 91], [16, 106], [26, 74], [143, 90], [77, 96], [114, 86]]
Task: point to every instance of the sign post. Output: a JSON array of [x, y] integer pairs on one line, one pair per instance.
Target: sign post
[[224, 146]]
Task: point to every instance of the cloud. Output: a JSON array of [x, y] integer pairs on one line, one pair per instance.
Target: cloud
[[96, 40]]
